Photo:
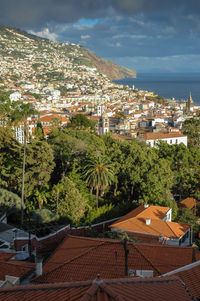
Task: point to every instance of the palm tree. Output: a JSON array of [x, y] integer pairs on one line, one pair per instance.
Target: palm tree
[[99, 174], [19, 114]]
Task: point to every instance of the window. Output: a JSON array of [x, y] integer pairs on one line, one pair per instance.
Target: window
[[170, 141]]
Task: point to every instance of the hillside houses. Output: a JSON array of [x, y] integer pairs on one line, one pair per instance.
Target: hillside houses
[[53, 77]]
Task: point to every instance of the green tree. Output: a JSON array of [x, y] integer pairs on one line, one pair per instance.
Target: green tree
[[39, 131], [98, 173], [79, 122], [185, 165], [186, 216], [39, 166], [66, 149], [71, 204], [10, 160], [191, 128], [20, 113], [9, 201]]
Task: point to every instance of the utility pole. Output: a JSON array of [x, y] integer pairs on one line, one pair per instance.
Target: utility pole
[[126, 251]]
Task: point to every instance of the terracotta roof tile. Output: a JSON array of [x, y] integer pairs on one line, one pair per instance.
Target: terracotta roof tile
[[188, 203], [14, 268], [156, 227], [135, 221], [190, 275], [83, 258], [160, 135], [156, 212], [151, 289]]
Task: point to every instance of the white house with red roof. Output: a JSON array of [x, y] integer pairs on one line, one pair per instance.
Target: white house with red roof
[[152, 138], [154, 221]]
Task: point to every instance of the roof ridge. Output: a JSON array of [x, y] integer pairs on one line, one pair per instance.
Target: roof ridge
[[71, 260], [64, 240], [110, 292], [147, 259], [187, 289], [92, 291], [182, 269]]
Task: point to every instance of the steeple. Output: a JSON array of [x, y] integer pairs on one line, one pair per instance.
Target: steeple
[[190, 103]]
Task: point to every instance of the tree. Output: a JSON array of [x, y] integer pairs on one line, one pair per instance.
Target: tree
[[70, 145], [39, 166], [191, 128], [186, 216], [9, 201], [98, 173], [185, 165], [66, 149], [20, 113], [10, 160], [69, 201], [79, 122]]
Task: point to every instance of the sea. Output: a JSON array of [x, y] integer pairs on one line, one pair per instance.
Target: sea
[[168, 85]]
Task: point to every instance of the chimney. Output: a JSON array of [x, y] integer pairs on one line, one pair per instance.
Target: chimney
[[146, 205], [148, 221], [38, 267]]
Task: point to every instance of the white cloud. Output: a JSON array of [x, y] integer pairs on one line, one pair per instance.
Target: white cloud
[[84, 37], [45, 33], [129, 36]]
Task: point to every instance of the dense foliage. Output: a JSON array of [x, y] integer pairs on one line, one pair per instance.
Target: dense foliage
[[83, 178]]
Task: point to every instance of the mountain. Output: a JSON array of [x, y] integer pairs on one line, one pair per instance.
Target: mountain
[[19, 45]]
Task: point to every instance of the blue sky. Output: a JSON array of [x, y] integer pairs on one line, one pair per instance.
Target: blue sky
[[146, 35]]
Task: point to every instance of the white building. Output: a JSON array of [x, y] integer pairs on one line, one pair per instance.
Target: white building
[[15, 96], [170, 137]]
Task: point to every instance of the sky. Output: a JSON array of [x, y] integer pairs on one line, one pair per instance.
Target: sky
[[145, 35]]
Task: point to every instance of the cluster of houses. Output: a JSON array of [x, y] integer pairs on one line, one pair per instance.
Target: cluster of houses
[[53, 78], [158, 263], [130, 114]]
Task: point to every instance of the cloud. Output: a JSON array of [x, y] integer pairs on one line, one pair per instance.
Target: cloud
[[161, 64], [112, 28], [45, 33], [38, 13], [129, 36], [83, 37]]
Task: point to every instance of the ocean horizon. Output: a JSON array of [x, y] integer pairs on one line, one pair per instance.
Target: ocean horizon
[[167, 85]]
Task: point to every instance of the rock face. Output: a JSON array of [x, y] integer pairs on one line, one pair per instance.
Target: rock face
[[109, 68], [18, 44]]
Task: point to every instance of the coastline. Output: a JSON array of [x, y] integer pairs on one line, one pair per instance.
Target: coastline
[[167, 85]]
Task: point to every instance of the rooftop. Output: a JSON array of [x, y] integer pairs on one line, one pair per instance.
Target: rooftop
[[81, 258], [160, 135], [168, 288], [135, 221], [14, 268]]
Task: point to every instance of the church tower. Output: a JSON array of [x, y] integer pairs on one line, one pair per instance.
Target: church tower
[[190, 104], [104, 124]]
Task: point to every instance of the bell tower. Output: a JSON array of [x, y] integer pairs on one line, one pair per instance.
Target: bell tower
[[190, 104]]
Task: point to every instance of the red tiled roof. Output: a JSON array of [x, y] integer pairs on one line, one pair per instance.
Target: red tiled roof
[[151, 289], [14, 268], [160, 135], [135, 221], [190, 275], [81, 258], [188, 203], [156, 212]]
